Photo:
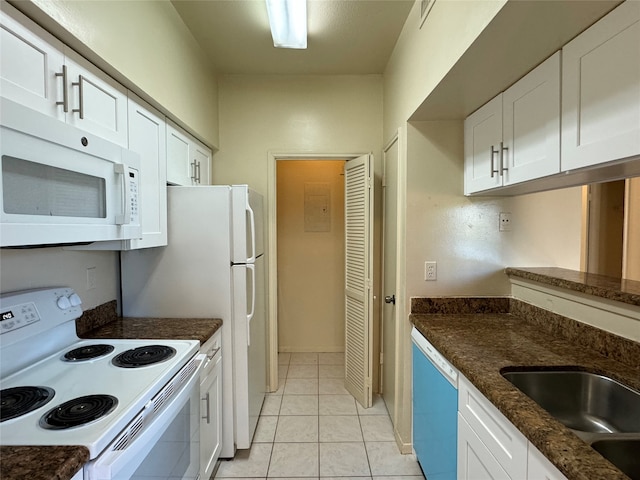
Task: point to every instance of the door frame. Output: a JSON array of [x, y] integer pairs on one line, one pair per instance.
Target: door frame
[[272, 236]]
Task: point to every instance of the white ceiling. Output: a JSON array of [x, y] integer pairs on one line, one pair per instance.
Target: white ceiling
[[345, 36]]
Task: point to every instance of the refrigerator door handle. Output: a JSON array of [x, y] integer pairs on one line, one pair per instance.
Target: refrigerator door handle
[[252, 227], [251, 267]]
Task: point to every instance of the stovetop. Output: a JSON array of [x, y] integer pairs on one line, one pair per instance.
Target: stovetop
[[33, 353], [131, 387]]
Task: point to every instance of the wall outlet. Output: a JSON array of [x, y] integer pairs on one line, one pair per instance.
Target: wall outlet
[[430, 271], [91, 278], [505, 222]]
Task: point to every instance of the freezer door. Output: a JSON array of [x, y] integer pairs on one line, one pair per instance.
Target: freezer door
[[248, 225], [249, 330]]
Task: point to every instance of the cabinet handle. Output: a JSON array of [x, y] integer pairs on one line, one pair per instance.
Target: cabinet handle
[[65, 93], [208, 415], [198, 172], [492, 152], [212, 353], [502, 158], [193, 171], [79, 110]]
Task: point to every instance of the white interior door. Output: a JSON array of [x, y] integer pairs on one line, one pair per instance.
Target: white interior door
[[358, 278]]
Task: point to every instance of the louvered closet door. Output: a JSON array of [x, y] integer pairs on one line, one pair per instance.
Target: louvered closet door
[[358, 281]]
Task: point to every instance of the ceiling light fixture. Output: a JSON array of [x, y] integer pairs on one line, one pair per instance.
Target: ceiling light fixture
[[288, 21]]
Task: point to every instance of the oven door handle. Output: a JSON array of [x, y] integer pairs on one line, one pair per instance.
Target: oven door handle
[[123, 463]]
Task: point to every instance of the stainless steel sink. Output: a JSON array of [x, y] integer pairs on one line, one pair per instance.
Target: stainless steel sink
[[623, 453], [583, 401], [601, 411]]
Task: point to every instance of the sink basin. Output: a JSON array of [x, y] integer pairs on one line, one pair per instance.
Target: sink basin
[[622, 453], [582, 401]]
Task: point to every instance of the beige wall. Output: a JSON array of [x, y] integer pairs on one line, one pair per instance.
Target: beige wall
[[147, 43], [423, 56], [53, 267], [310, 262]]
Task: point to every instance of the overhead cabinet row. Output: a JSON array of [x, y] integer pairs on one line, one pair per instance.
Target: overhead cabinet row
[[41, 73], [579, 109]]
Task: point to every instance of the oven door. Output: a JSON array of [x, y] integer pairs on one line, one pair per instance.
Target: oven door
[[167, 447]]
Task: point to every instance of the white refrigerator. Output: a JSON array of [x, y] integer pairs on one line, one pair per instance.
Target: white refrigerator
[[213, 267]]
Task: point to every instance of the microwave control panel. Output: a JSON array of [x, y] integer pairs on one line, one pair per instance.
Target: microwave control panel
[[134, 188]]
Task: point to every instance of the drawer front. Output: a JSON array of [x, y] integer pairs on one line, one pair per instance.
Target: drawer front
[[502, 438]]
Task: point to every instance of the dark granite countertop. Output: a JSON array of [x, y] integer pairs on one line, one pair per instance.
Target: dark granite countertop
[[61, 463], [157, 328], [612, 288], [41, 463], [508, 333]]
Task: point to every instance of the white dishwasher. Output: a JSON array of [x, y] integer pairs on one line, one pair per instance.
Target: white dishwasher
[[435, 410]]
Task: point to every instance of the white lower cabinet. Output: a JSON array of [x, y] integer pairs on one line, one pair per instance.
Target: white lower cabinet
[[211, 407], [491, 447], [539, 468], [502, 439], [474, 458]]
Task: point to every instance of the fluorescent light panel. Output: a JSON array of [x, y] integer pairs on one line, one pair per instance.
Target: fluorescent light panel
[[288, 21]]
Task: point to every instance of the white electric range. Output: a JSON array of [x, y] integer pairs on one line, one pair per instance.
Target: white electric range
[[121, 399]]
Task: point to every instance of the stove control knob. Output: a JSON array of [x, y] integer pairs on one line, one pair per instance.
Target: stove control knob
[[63, 303], [74, 298]]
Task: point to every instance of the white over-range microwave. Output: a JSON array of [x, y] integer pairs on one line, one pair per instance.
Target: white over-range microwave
[[61, 185]]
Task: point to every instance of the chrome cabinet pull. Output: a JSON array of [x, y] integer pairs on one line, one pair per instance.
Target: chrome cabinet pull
[[492, 152], [79, 110], [208, 415], [390, 299], [193, 171], [502, 158], [65, 93], [198, 172], [212, 353]]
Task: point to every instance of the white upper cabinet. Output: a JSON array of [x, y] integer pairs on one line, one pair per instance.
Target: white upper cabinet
[[97, 103], [516, 136], [482, 150], [30, 65], [147, 137], [601, 91], [188, 160], [43, 74], [531, 124]]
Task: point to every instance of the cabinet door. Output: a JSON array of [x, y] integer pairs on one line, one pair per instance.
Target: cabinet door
[[531, 124], [202, 157], [601, 90], [180, 168], [147, 137], [505, 442], [482, 139], [474, 458], [30, 59], [98, 104], [539, 468], [211, 424]]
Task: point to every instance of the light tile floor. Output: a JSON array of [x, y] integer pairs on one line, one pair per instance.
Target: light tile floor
[[313, 428]]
